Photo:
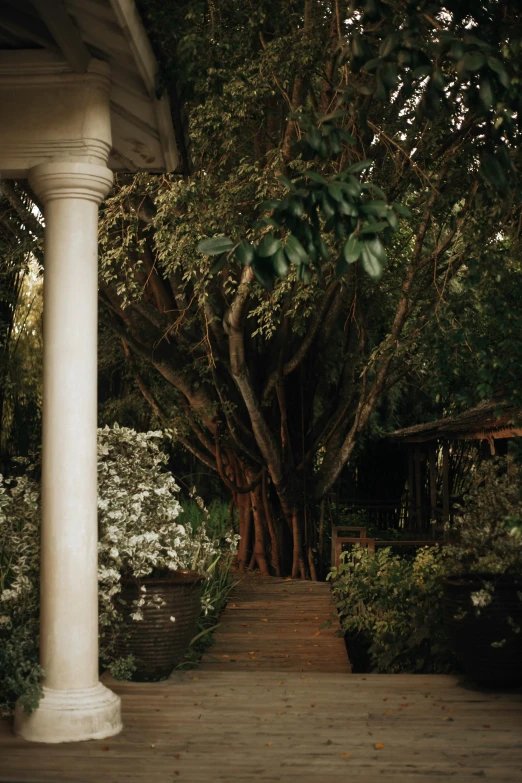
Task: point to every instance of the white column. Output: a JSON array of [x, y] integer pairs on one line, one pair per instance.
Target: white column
[[76, 706]]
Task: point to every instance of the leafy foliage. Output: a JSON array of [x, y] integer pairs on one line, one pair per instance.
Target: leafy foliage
[[487, 535], [395, 604]]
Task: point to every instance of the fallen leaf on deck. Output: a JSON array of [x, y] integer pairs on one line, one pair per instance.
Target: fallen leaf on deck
[[404, 705], [378, 746], [345, 755], [177, 756], [486, 726], [317, 633], [153, 746], [105, 747], [269, 744]]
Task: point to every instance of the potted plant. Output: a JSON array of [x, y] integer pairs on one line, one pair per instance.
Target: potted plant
[[482, 600], [151, 567]]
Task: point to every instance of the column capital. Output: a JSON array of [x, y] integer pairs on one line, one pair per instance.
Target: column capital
[[71, 179]]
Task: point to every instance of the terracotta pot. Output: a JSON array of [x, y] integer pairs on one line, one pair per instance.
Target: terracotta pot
[[472, 636], [157, 642]]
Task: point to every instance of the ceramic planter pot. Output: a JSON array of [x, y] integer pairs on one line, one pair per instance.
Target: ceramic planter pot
[[472, 636], [156, 642]]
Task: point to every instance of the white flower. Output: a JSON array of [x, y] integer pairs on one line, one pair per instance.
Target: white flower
[[172, 619], [481, 598]]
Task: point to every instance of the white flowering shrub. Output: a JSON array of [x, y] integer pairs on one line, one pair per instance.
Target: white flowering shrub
[[19, 592], [140, 536]]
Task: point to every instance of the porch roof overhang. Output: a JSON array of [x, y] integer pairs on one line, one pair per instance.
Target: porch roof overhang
[[489, 420], [67, 36]]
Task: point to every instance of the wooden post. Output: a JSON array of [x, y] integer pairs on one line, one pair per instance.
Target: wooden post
[[418, 489], [411, 489], [433, 488], [445, 482]]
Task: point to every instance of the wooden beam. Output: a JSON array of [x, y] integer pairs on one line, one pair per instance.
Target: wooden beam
[[26, 27], [65, 33]]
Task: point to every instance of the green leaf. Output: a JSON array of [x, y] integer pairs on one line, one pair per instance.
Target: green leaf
[[322, 248], [326, 206], [373, 257], [379, 208], [422, 71], [374, 228], [314, 139], [372, 65], [286, 182], [295, 207], [347, 208], [388, 45], [315, 177], [295, 251], [214, 246], [375, 190], [473, 61], [391, 217], [335, 191], [264, 272], [486, 93], [359, 166], [245, 253], [335, 115], [339, 230], [493, 173], [389, 76], [352, 249], [401, 209], [499, 68], [268, 245], [273, 203], [351, 186], [280, 263], [218, 265]]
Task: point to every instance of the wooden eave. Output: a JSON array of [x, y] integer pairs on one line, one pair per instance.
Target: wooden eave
[[490, 420]]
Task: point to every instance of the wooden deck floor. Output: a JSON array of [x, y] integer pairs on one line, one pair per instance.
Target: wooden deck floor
[[277, 625], [242, 726], [271, 718]]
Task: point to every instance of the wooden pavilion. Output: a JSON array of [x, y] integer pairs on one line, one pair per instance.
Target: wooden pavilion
[[440, 452]]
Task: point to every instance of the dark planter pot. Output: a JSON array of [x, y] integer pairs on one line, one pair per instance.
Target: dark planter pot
[[472, 636], [156, 642]]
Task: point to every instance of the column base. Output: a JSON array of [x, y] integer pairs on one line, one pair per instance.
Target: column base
[[71, 716]]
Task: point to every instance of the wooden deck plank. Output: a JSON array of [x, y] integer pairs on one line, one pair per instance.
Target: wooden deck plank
[[238, 726], [278, 624], [274, 701]]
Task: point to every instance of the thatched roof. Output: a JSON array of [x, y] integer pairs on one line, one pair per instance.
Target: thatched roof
[[490, 419]]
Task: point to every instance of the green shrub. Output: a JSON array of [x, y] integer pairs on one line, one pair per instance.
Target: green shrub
[[394, 604]]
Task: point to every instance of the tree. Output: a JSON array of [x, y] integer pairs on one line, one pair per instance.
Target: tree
[[277, 346], [20, 240]]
